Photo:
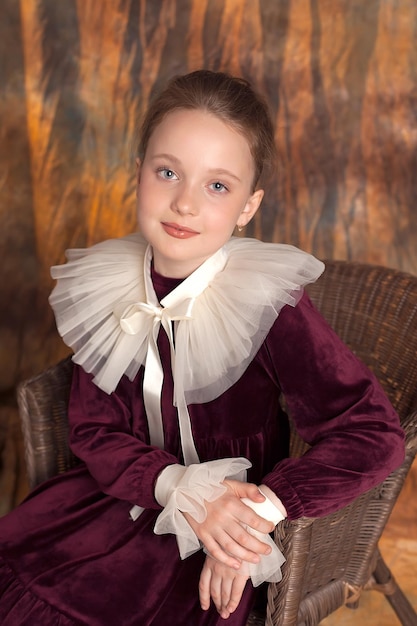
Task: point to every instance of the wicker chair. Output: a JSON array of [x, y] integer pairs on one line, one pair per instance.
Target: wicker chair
[[330, 560]]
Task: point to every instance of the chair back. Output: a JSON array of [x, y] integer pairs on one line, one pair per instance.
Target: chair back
[[374, 311], [331, 559], [43, 408]]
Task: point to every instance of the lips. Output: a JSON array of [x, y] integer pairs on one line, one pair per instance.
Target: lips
[[178, 231]]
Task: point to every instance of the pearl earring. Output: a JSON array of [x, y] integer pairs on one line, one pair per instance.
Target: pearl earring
[[240, 228]]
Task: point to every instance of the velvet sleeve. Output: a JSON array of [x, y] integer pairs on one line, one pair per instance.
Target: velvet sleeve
[[101, 435], [338, 407]]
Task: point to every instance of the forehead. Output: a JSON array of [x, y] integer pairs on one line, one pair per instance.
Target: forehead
[[201, 132]]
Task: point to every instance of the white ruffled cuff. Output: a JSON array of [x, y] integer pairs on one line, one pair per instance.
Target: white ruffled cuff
[[167, 481], [269, 567], [184, 489]]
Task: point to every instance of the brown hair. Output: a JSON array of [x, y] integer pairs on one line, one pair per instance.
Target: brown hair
[[231, 99]]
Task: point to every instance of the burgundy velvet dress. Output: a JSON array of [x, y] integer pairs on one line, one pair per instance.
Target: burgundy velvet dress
[[70, 554]]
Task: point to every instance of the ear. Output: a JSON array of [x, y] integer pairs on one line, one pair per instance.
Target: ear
[[252, 205]]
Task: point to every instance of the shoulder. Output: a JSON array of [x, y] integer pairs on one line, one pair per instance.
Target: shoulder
[[301, 332], [304, 310]]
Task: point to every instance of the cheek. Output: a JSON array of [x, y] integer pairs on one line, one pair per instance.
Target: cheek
[[228, 213], [222, 224], [144, 198], [142, 214]]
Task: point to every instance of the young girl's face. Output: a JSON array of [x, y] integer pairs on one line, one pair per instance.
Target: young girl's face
[[194, 186]]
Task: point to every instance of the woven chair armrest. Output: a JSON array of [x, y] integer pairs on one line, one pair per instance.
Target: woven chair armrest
[[308, 543], [293, 538], [410, 427]]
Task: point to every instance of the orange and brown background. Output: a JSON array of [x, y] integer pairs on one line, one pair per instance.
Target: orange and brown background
[[340, 77]]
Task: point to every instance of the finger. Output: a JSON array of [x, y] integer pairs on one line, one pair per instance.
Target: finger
[[245, 490], [211, 535], [236, 593], [204, 587], [247, 516], [226, 590], [216, 591], [231, 551], [233, 509], [243, 545], [218, 554], [234, 530]]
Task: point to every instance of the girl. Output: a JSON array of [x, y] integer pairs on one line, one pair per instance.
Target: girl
[[184, 340]]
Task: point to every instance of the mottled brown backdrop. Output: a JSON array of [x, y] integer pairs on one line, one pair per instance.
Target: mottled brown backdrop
[[340, 78]]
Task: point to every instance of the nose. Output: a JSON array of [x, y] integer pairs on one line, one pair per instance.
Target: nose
[[184, 201]]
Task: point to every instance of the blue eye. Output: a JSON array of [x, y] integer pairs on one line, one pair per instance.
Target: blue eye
[[166, 173], [217, 186]]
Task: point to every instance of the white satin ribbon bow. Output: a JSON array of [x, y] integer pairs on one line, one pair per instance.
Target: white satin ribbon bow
[[130, 322], [176, 307]]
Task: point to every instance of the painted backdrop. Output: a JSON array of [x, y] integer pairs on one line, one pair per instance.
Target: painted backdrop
[[75, 76]]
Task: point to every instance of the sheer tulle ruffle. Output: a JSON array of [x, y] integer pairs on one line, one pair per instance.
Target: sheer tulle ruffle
[[230, 319], [198, 483], [236, 312], [90, 286]]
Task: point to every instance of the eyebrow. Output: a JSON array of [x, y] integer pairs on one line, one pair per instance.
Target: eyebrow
[[169, 157], [218, 171], [222, 172]]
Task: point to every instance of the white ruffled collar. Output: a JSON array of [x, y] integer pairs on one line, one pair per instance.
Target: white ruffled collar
[[107, 311], [257, 278]]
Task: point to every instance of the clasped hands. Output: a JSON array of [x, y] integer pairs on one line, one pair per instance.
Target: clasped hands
[[229, 545]]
